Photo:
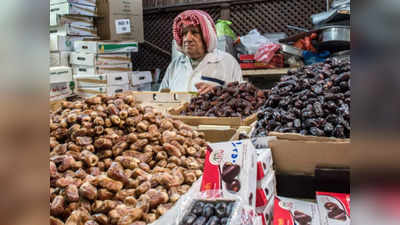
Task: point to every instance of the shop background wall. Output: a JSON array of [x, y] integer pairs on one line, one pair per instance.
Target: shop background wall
[[266, 16]]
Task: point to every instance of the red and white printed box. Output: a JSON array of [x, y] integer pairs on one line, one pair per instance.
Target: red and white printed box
[[230, 167], [266, 213], [289, 211], [334, 208], [266, 190], [264, 163]]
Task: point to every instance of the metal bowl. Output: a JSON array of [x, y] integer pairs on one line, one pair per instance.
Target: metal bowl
[[335, 33], [334, 38]]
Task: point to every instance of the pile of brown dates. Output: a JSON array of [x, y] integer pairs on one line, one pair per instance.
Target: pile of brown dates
[[314, 100], [113, 161], [234, 100]]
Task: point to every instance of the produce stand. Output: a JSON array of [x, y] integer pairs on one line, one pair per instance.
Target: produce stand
[[121, 153]]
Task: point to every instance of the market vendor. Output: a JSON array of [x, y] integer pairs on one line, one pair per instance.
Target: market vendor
[[202, 66]]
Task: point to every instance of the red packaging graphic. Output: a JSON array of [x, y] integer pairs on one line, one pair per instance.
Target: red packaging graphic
[[264, 163], [230, 167], [334, 208], [266, 52], [266, 213], [266, 190], [289, 211]]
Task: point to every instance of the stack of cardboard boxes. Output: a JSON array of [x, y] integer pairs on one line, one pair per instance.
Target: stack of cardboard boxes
[[102, 67], [70, 21]]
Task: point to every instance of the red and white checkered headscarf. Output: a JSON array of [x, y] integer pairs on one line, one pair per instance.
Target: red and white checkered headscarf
[[194, 18]]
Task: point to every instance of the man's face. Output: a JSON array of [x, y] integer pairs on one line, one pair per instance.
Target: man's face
[[193, 45]]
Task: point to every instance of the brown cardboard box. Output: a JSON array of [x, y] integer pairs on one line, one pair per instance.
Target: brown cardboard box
[[234, 122], [112, 10], [298, 154]]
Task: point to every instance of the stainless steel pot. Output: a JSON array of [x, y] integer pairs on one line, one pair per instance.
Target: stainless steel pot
[[290, 50], [335, 33]]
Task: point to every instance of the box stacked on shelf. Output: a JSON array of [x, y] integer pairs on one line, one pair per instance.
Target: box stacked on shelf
[[102, 67], [70, 21], [61, 82], [141, 81]]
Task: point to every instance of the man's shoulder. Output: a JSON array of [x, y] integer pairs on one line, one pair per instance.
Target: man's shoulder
[[179, 59], [221, 55]]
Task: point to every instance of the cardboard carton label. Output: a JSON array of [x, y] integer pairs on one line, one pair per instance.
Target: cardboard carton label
[[334, 208], [230, 166], [122, 26], [266, 190], [289, 211]]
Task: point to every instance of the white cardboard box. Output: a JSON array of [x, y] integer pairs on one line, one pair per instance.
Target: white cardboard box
[[103, 79], [64, 43], [140, 77], [142, 87], [59, 58], [74, 20], [91, 59], [60, 74], [72, 9], [101, 69], [230, 168], [73, 30], [106, 47], [108, 90], [81, 2], [61, 90], [293, 211]]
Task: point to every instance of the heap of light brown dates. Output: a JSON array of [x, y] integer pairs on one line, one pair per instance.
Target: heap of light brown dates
[[234, 100], [115, 162]]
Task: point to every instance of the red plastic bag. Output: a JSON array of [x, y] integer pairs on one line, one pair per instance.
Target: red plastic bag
[[266, 52]]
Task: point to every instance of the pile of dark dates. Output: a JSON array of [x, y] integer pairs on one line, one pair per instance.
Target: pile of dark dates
[[209, 213], [234, 100], [314, 100]]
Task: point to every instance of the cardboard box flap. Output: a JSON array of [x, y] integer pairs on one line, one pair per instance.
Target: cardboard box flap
[[302, 157], [299, 137], [199, 120]]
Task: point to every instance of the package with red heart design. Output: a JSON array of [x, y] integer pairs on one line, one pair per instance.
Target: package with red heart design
[[266, 52], [290, 211], [230, 167], [264, 163], [334, 208], [266, 190], [266, 213]]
